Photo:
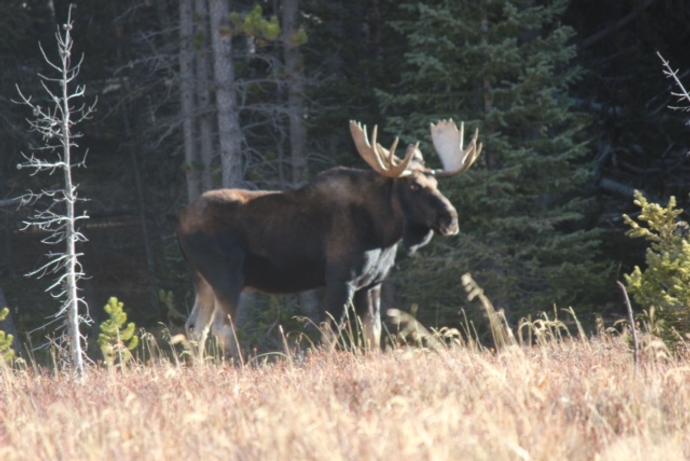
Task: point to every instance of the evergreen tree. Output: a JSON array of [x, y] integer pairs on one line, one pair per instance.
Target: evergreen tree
[[505, 67], [117, 338], [7, 354], [664, 285]]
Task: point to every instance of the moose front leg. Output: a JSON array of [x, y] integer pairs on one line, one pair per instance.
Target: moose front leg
[[337, 299], [368, 308]]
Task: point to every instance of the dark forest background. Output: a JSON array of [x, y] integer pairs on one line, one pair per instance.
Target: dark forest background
[[569, 97]]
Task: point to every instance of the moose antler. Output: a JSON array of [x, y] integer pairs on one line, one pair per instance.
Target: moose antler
[[383, 161], [448, 142]]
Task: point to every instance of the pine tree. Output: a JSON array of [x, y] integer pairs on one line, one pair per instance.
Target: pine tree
[[117, 338], [7, 354], [504, 67], [664, 285]]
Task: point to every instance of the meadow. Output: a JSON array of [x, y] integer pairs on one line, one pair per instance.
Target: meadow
[[570, 398]]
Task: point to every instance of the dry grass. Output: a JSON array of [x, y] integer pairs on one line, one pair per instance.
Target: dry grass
[[564, 400]]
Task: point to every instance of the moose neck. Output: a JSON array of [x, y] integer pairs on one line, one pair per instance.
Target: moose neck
[[386, 209], [414, 235]]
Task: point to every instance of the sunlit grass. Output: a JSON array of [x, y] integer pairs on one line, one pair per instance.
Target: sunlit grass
[[566, 400], [538, 392]]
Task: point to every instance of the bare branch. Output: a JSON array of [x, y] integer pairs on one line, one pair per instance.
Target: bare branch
[[682, 94]]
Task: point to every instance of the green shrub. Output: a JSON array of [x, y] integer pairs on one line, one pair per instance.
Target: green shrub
[[7, 354], [116, 340], [255, 25], [663, 287]]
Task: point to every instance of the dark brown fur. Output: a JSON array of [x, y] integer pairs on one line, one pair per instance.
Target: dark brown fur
[[340, 232]]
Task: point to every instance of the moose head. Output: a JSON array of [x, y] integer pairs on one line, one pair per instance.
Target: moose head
[[425, 208]]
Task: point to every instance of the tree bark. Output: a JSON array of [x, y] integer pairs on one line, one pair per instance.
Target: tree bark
[[294, 69], [203, 94], [152, 282], [186, 58], [226, 100]]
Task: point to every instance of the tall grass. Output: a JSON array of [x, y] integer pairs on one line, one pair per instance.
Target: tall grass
[[539, 392], [559, 401]]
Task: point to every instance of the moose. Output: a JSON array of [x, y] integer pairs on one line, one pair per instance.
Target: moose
[[340, 232]]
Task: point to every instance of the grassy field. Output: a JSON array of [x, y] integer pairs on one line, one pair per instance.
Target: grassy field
[[568, 399]]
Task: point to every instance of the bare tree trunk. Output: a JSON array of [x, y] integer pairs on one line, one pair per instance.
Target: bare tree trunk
[[203, 94], [71, 236], [226, 100], [186, 58], [294, 67], [152, 281]]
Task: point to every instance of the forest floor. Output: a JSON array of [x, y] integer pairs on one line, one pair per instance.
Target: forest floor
[[568, 399]]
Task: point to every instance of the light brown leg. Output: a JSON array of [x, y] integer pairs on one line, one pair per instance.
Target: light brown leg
[[204, 303]]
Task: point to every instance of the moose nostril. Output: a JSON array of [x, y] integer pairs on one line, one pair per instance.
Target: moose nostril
[[449, 226]]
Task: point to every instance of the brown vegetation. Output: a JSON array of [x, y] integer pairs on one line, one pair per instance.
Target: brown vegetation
[[564, 400]]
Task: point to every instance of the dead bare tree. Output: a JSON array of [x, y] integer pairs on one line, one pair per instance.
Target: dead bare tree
[[56, 125]]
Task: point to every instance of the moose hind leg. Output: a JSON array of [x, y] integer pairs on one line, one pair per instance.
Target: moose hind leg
[[219, 260], [202, 312], [227, 282]]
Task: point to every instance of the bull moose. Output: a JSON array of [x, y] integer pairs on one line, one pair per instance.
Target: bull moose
[[341, 232]]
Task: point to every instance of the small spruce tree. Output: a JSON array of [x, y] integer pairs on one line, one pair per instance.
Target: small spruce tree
[[663, 287], [504, 67], [7, 354], [117, 339]]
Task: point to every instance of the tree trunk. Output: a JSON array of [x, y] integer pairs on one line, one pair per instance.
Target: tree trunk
[[72, 267], [226, 100], [203, 94], [294, 69], [152, 281], [186, 59]]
